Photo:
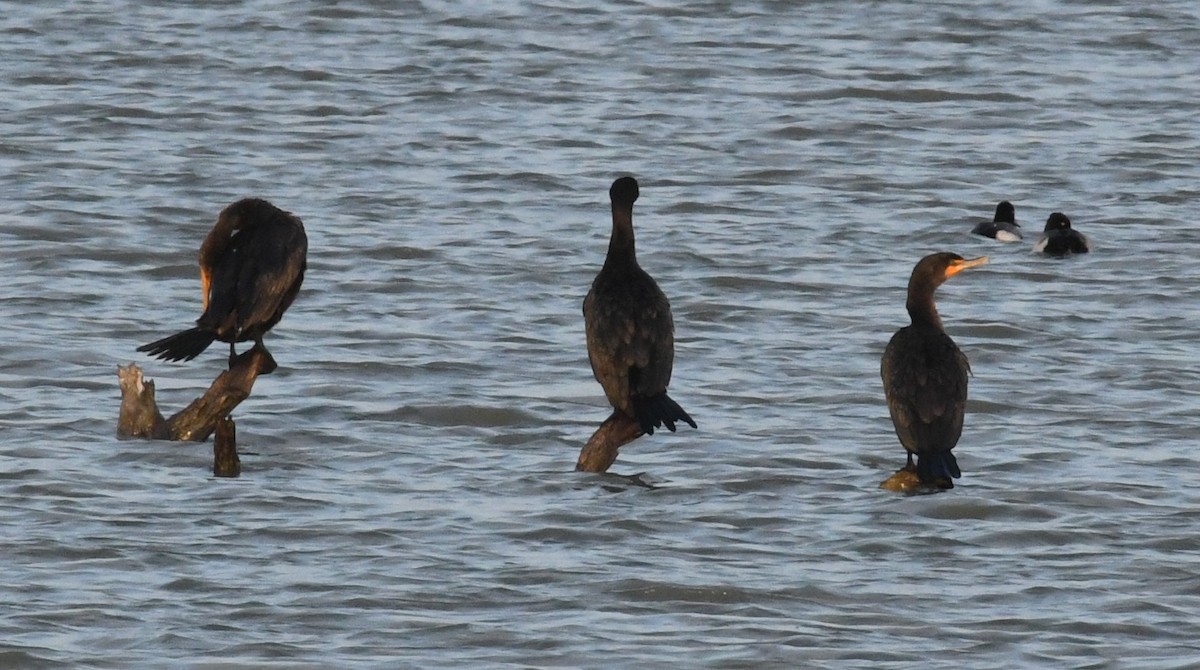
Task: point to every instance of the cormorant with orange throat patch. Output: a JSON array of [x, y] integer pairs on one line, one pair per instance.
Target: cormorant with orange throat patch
[[251, 267]]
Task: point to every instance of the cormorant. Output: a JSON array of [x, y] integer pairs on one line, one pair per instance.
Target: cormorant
[[1060, 239], [630, 333], [251, 267], [1003, 226], [925, 376]]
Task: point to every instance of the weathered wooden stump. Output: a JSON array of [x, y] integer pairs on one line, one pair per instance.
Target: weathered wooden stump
[[139, 412], [140, 416], [904, 480], [225, 456], [601, 449]]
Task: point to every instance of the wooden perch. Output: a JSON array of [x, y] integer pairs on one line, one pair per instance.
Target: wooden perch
[[601, 450], [904, 480], [140, 416], [139, 412], [225, 458]]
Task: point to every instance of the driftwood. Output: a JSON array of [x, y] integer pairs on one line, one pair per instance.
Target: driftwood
[[904, 480], [140, 416], [225, 457], [601, 449], [139, 412]]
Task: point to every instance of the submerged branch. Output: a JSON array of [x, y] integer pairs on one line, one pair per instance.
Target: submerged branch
[[140, 416], [225, 456], [601, 450]]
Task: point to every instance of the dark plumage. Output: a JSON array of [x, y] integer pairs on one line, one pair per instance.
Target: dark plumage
[[925, 376], [1060, 239], [251, 267], [630, 334], [1003, 225]]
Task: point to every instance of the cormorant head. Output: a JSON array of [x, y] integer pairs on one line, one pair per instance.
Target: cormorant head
[[937, 268], [929, 274], [1058, 221], [624, 191]]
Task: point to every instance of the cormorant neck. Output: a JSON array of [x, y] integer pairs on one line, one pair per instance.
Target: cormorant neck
[[921, 307], [620, 246], [217, 240]]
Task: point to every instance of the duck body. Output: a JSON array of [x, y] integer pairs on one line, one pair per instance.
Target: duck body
[[1060, 239], [1003, 227]]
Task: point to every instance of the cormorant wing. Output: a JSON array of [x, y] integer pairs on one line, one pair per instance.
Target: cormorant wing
[[925, 382], [272, 261]]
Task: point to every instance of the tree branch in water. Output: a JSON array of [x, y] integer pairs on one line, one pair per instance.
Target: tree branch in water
[[140, 416], [601, 449]]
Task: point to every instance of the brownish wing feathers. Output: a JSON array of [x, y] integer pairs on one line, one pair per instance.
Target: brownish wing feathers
[[630, 336], [925, 381]]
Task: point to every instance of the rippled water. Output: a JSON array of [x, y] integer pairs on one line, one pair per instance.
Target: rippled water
[[408, 497]]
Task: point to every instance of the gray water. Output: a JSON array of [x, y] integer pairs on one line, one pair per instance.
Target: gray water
[[408, 499]]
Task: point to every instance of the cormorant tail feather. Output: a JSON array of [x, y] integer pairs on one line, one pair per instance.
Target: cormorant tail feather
[[653, 412], [937, 468], [182, 346]]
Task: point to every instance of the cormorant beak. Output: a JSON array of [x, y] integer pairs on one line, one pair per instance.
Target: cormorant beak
[[205, 284], [956, 267]]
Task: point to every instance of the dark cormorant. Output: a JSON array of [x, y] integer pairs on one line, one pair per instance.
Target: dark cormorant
[[1059, 239], [630, 334], [1003, 226], [925, 376], [251, 267]]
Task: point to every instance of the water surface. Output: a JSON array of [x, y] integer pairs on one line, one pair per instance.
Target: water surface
[[407, 497]]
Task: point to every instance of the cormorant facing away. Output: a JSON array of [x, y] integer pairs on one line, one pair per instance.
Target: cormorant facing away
[[1003, 226], [630, 334], [251, 266], [925, 376], [1060, 239]]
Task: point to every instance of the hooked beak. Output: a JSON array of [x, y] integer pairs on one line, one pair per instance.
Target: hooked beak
[[956, 267]]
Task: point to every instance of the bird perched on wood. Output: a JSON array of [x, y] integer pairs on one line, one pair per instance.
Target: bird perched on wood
[[925, 376], [630, 334], [251, 266]]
